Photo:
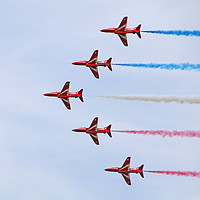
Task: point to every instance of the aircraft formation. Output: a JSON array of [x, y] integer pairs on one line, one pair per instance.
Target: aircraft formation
[[93, 130]]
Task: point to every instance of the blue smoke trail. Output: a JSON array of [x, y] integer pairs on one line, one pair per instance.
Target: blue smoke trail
[[170, 66], [176, 32]]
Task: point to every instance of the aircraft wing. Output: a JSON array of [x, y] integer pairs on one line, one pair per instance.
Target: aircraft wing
[[95, 71], [123, 38], [93, 59], [66, 102], [122, 26], [94, 137], [126, 164], [65, 89], [93, 126], [126, 177]]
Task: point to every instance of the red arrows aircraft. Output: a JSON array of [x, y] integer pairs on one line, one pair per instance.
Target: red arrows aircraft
[[64, 95], [125, 170], [93, 63], [93, 130], [121, 31]]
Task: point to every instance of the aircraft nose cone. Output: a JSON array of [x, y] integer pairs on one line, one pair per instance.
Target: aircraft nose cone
[[102, 30], [74, 63], [75, 130], [50, 94], [109, 169]]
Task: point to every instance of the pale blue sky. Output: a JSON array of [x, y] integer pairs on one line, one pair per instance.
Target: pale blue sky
[[41, 158]]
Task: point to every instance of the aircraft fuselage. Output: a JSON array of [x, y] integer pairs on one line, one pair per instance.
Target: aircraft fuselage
[[57, 94], [117, 169], [87, 64], [84, 129], [114, 30]]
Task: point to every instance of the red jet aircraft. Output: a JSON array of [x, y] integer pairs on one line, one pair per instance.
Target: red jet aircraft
[[93, 63], [64, 95], [121, 31], [93, 130], [125, 170]]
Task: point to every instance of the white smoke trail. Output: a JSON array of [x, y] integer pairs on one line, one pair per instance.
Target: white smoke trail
[[157, 99]]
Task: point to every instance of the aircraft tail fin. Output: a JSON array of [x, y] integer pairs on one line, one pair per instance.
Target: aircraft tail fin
[[108, 129], [109, 62], [138, 29], [141, 173], [80, 92]]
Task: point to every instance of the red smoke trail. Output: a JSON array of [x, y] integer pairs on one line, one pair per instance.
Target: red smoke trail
[[163, 133], [178, 173]]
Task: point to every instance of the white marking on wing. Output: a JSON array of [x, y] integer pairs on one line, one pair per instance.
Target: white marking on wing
[[67, 90], [66, 100], [122, 27], [125, 166], [94, 69], [95, 126], [123, 36], [94, 135], [126, 175], [94, 59]]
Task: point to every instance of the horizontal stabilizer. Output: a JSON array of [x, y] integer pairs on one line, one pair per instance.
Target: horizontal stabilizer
[[141, 173], [138, 29], [80, 93], [109, 62], [108, 129]]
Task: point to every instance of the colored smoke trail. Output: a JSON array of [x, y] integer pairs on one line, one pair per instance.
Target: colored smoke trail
[[176, 32], [156, 99], [170, 66], [163, 133], [178, 173]]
